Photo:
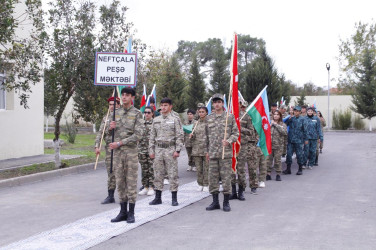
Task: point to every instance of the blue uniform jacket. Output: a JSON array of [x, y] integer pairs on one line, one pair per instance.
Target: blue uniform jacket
[[297, 133], [313, 128]]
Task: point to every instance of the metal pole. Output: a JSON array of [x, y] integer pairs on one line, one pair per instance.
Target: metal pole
[[328, 68]]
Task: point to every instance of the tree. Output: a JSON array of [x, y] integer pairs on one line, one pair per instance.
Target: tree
[[220, 75], [173, 84], [300, 101], [21, 54], [358, 62], [196, 88]]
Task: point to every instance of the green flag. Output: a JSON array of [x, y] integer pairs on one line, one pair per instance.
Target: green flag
[[188, 128]]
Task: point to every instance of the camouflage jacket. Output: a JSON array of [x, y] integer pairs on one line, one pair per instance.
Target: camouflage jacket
[[166, 129], [143, 145], [107, 136], [199, 139], [215, 131], [313, 128], [187, 141], [278, 132], [129, 126], [248, 132], [297, 133]]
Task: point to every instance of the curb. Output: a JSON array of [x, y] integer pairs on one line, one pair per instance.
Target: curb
[[19, 181]]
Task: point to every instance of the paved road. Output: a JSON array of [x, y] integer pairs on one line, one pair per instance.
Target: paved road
[[330, 207]]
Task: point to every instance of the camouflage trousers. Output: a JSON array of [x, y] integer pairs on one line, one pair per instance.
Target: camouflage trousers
[[276, 156], [111, 180], [298, 149], [310, 152], [284, 151], [126, 173], [164, 162], [202, 166], [261, 164], [220, 169], [147, 171], [191, 161], [318, 148], [252, 166], [240, 167]]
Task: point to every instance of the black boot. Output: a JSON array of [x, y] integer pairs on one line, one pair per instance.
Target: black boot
[[130, 218], [233, 194], [300, 171], [157, 200], [268, 177], [288, 170], [241, 194], [110, 198], [122, 216], [226, 203], [215, 203], [174, 198], [278, 178]]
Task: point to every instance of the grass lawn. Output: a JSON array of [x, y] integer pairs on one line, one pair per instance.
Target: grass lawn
[[84, 145]]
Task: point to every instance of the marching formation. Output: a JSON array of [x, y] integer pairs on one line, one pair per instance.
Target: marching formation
[[155, 140]]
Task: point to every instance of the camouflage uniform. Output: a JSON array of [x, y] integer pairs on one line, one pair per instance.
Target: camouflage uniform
[[247, 131], [188, 145], [166, 137], [107, 137], [261, 164], [296, 138], [313, 132], [218, 167], [129, 129], [144, 158], [284, 151], [278, 133], [199, 153]]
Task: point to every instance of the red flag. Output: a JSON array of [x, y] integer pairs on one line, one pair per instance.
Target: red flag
[[235, 98]]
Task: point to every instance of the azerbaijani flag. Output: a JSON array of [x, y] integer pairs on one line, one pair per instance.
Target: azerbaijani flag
[[259, 112], [234, 108], [224, 102], [209, 105], [128, 49], [154, 95], [143, 101]]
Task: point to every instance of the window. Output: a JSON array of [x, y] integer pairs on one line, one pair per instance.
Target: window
[[3, 93]]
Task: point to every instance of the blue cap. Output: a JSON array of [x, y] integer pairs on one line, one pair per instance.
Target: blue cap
[[298, 108]]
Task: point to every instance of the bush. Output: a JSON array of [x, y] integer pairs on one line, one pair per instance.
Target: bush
[[71, 132], [358, 123], [342, 120]]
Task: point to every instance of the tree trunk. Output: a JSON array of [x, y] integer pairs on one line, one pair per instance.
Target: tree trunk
[[57, 153], [370, 125]]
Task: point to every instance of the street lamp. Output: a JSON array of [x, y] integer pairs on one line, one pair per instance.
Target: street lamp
[[328, 68]]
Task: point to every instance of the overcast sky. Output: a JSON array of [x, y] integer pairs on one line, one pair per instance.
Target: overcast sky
[[301, 36]]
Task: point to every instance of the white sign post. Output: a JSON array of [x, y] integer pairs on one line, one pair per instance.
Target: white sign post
[[113, 69]]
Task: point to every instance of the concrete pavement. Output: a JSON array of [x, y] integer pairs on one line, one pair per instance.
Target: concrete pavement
[[330, 207]]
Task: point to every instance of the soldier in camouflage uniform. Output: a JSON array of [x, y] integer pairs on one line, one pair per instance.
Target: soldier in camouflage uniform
[[218, 167], [296, 138], [278, 133], [244, 156], [283, 110], [111, 182], [313, 133], [143, 155], [187, 141], [198, 138], [166, 141], [199, 105], [273, 108], [128, 127]]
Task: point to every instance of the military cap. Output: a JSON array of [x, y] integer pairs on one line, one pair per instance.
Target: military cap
[[217, 97], [244, 103], [199, 105], [111, 99], [298, 108], [310, 108]]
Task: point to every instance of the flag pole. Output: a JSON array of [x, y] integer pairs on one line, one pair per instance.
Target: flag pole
[[195, 126], [104, 129], [253, 103]]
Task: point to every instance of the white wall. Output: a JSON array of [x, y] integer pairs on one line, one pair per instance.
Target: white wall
[[336, 102], [21, 130]]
